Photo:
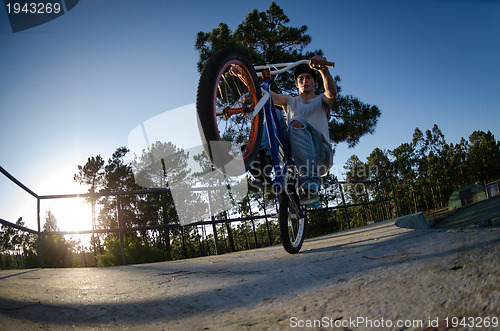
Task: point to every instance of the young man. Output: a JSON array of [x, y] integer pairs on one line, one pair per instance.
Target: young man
[[307, 118]]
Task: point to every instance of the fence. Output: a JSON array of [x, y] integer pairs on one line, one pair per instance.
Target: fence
[[342, 189]]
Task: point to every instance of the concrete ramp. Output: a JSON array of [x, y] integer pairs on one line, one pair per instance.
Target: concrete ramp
[[414, 221], [378, 276]]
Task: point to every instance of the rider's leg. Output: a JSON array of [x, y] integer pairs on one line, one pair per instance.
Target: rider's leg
[[312, 154], [303, 145]]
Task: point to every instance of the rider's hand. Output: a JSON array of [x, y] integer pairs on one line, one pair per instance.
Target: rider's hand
[[318, 62]]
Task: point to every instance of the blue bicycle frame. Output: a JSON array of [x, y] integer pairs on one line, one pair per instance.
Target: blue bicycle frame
[[278, 140]]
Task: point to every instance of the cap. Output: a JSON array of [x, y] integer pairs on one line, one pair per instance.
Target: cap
[[302, 69]]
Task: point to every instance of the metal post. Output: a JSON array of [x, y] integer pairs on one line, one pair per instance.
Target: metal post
[[40, 241], [94, 235], [267, 221], [253, 224], [345, 207], [166, 221], [122, 245], [384, 214], [229, 234], [217, 250], [222, 242], [205, 238], [183, 243], [201, 246], [394, 197]]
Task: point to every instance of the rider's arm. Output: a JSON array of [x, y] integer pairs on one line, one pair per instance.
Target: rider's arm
[[329, 85], [280, 99], [318, 63]]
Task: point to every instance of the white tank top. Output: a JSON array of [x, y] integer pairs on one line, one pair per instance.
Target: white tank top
[[313, 111]]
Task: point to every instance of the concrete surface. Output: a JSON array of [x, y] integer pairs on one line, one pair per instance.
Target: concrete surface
[[414, 221], [379, 275]]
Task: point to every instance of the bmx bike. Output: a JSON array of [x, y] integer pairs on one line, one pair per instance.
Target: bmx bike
[[234, 111]]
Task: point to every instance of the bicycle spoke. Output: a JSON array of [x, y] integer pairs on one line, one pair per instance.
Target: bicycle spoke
[[234, 124]]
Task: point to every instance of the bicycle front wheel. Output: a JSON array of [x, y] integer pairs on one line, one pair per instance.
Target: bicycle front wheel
[[228, 92], [292, 224]]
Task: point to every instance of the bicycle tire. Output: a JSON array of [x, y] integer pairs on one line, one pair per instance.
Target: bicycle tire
[[293, 228], [229, 75]]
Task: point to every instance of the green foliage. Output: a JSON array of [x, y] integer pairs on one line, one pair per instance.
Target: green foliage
[[323, 222], [91, 174], [25, 260], [264, 36], [111, 254], [18, 249], [428, 169], [352, 119], [57, 252], [22, 250], [136, 251], [483, 156], [16, 241]]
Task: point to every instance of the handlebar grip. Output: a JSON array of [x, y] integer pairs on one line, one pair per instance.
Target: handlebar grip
[[327, 63]]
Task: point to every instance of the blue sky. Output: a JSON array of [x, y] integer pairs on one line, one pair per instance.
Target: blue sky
[[76, 86]]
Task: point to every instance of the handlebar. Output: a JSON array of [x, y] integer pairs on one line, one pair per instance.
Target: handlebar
[[287, 66]]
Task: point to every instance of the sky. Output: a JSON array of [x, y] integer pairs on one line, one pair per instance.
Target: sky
[[77, 86]]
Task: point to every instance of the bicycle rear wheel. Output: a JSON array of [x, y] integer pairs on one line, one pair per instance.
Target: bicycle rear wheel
[[293, 225], [228, 92]]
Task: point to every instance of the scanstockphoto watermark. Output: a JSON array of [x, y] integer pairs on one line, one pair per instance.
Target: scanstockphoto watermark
[[381, 323], [355, 323], [353, 188]]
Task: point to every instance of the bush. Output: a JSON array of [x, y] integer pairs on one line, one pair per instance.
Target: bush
[[136, 252]]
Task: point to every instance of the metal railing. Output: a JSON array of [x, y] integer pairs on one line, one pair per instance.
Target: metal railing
[[121, 230]]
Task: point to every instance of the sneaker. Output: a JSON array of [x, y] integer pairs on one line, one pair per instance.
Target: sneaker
[[309, 197]]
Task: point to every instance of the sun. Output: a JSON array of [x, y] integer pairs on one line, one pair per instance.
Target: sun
[[72, 214]]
